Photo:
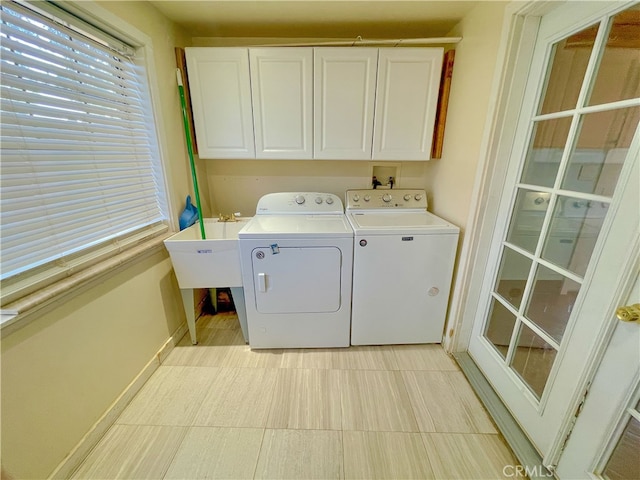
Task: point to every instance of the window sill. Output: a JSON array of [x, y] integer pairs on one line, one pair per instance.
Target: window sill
[[21, 312]]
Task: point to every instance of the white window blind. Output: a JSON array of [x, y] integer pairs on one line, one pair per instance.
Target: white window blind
[[79, 161]]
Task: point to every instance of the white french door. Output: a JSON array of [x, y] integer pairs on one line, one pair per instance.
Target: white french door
[[567, 226], [606, 439]]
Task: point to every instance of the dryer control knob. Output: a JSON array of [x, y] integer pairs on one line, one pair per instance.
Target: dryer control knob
[[367, 198], [418, 197], [386, 198], [356, 197], [329, 200], [318, 200], [299, 199], [407, 197]]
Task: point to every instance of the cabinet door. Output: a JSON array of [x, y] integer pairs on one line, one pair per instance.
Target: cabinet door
[[344, 95], [281, 86], [406, 100], [221, 101]]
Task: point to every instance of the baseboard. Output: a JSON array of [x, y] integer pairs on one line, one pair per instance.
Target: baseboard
[[522, 448], [166, 349], [72, 461]]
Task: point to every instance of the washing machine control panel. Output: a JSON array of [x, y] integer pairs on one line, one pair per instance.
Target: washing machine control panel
[[372, 199]]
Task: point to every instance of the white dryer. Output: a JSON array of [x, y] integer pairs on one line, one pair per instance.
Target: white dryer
[[296, 256], [402, 267]]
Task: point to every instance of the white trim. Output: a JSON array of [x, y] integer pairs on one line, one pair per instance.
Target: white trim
[[91, 28], [90, 12], [75, 458], [605, 107], [515, 47]]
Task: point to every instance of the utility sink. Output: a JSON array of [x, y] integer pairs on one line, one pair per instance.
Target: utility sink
[[210, 263]]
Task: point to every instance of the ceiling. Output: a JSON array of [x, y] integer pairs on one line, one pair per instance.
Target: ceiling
[[316, 18]]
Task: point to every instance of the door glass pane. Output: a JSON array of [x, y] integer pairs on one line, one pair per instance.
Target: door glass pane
[[573, 162], [543, 158], [618, 73], [500, 327], [551, 302], [527, 218], [574, 230], [596, 162], [568, 65], [533, 360], [512, 277], [625, 461]]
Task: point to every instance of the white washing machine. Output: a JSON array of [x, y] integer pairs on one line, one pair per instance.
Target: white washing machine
[[296, 256], [402, 267]]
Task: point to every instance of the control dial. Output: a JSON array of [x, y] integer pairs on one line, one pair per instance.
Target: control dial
[[329, 201], [367, 198], [300, 199], [418, 196], [356, 197], [318, 200], [386, 198], [407, 197]]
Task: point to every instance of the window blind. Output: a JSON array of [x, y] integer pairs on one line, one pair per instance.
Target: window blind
[[79, 162]]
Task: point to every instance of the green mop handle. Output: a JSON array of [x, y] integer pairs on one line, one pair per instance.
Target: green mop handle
[[187, 133]]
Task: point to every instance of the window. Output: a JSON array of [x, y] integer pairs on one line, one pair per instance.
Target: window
[[80, 167]]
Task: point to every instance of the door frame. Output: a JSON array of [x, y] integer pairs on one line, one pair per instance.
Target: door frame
[[519, 30], [519, 34]]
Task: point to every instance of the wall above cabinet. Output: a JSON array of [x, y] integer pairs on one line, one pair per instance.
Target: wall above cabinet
[[314, 103]]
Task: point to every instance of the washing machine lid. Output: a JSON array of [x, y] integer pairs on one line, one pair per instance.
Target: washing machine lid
[[297, 226], [389, 223]]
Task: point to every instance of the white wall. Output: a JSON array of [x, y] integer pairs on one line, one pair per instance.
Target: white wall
[[451, 178], [62, 371], [236, 185]]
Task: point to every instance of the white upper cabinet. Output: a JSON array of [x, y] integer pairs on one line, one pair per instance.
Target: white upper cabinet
[[406, 101], [221, 101], [281, 86], [343, 102], [322, 103]]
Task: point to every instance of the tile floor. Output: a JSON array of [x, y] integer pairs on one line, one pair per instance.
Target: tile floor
[[220, 410]]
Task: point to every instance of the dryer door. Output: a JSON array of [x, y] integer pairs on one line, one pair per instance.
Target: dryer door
[[297, 280]]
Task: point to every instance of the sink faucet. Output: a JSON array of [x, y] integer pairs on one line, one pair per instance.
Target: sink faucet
[[228, 218]]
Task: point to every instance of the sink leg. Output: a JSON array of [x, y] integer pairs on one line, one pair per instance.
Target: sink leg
[[187, 303]]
